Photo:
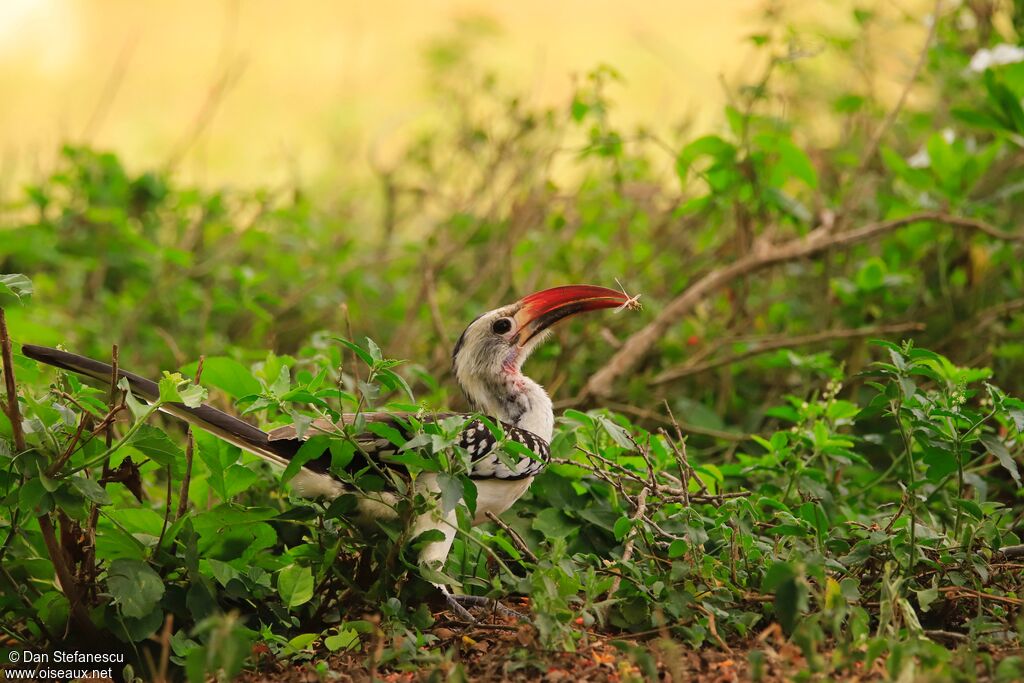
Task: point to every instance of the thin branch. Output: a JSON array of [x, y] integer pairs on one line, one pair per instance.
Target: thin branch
[[110, 89], [757, 348], [190, 446], [70, 448], [167, 512], [951, 636], [627, 550], [954, 592], [922, 59], [764, 254], [686, 427], [114, 374], [13, 413], [115, 402], [989, 315], [218, 91], [679, 450], [517, 540], [68, 584]]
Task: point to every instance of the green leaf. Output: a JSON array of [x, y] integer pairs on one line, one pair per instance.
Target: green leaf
[[778, 573], [374, 350], [303, 641], [386, 431], [451, 491], [996, 447], [790, 601], [358, 350], [795, 162], [15, 285], [618, 433], [1006, 102], [578, 109], [139, 408], [91, 490], [926, 597], [573, 415], [32, 495], [469, 493], [169, 387], [283, 382], [346, 639], [295, 585], [156, 445], [709, 145], [871, 275], [135, 587], [310, 450], [622, 527], [192, 395], [238, 478], [218, 455], [223, 572], [393, 381], [553, 523], [226, 374]]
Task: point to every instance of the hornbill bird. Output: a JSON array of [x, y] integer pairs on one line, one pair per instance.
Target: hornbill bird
[[486, 362]]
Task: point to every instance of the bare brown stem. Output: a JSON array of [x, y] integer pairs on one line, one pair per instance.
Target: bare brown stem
[[517, 540], [627, 549], [68, 583], [776, 343], [13, 413], [764, 254]]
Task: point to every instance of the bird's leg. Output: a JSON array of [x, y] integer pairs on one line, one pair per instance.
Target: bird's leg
[[460, 603], [460, 611], [435, 553]]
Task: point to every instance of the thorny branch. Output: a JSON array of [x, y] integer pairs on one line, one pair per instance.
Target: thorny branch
[[648, 492], [762, 255], [773, 344], [627, 549]]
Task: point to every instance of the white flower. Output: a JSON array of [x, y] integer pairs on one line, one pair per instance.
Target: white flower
[[920, 159], [1003, 53]]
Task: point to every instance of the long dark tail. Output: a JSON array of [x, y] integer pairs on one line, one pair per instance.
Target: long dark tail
[[227, 427]]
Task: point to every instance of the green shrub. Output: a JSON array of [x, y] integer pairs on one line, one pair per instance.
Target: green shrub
[[850, 496]]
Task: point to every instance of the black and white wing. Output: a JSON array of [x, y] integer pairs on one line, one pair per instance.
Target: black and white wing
[[478, 440], [280, 445], [475, 437]]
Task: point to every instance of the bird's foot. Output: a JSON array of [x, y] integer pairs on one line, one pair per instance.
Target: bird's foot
[[460, 611], [461, 604]]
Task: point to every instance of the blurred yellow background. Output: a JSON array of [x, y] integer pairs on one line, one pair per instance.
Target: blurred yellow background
[[264, 92], [309, 85]]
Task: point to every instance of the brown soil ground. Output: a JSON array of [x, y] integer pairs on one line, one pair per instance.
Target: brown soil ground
[[500, 649]]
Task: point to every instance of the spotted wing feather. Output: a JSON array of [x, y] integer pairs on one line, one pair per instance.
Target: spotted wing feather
[[476, 438]]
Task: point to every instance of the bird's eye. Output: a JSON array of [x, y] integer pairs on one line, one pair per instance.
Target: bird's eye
[[501, 325]]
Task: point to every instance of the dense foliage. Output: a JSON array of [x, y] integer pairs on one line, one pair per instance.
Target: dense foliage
[[738, 466]]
